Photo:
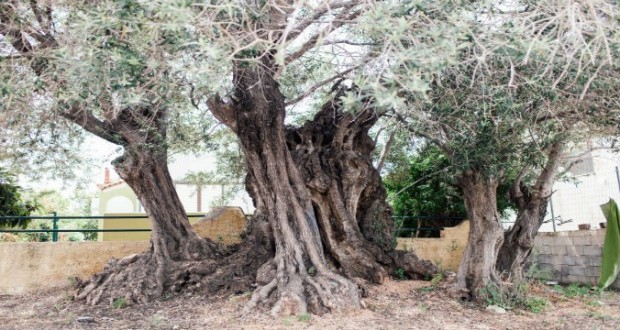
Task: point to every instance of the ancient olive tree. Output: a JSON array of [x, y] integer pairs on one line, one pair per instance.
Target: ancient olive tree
[[105, 68], [315, 184], [524, 77]]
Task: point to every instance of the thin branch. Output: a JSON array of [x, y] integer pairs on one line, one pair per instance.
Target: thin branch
[[445, 169], [314, 40], [326, 8], [92, 124], [322, 83], [385, 151], [45, 26]]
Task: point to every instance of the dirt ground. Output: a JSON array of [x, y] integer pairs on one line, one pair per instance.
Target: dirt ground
[[394, 305]]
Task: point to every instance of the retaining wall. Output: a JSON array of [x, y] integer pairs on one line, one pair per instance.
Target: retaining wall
[[445, 250], [221, 224], [44, 265]]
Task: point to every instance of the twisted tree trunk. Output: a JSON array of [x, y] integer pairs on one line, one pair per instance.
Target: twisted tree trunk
[[531, 211], [300, 274], [323, 200], [173, 243], [333, 153], [477, 269]]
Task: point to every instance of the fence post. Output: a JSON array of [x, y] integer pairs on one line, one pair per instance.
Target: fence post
[[55, 227], [552, 213]]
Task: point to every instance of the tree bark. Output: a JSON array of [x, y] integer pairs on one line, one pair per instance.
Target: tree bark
[[531, 211], [477, 269], [301, 281], [324, 202], [173, 243], [333, 153]]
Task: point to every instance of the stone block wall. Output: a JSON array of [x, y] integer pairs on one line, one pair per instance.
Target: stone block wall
[[446, 250], [570, 256]]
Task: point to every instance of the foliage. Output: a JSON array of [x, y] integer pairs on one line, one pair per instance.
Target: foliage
[[40, 236], [573, 290], [306, 317], [399, 274], [427, 187], [119, 303], [89, 224], [12, 203], [229, 169]]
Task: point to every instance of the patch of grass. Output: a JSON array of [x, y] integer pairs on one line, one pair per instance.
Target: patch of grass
[[239, 298], [536, 304], [600, 316], [573, 290], [287, 322], [305, 317], [156, 321], [119, 303], [435, 281], [400, 274], [517, 296], [72, 280]]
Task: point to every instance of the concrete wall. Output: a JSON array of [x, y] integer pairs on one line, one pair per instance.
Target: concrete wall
[[446, 250], [39, 266], [570, 256], [566, 257]]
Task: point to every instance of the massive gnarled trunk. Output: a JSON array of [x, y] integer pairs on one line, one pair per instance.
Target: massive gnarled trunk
[[141, 130], [333, 153], [531, 210], [477, 269], [323, 200], [300, 280]]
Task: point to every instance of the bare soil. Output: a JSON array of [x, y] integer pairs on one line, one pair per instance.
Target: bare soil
[[393, 305]]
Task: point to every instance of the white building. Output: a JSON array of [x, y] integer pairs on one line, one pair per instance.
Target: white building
[[574, 202], [115, 196]]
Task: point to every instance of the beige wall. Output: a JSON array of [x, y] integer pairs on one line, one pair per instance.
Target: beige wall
[[39, 266], [445, 251]]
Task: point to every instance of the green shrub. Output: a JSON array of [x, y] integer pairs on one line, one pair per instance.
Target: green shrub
[[517, 296]]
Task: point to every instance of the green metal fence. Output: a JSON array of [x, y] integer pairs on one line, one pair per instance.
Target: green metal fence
[[409, 225], [55, 218]]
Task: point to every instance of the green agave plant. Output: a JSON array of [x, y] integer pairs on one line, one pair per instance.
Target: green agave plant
[[611, 249]]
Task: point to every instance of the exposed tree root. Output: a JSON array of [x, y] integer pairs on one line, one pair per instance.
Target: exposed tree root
[[294, 293], [140, 278]]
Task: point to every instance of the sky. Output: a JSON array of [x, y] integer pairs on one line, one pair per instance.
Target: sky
[[102, 153]]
